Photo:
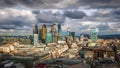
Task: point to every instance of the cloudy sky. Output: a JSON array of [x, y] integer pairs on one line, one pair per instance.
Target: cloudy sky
[[20, 16]]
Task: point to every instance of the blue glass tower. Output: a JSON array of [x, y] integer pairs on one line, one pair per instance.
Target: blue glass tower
[[94, 34]]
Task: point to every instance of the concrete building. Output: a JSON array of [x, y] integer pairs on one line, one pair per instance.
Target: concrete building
[[54, 33]]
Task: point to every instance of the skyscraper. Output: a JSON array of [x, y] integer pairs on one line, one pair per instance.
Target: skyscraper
[[68, 31], [54, 33], [43, 33], [59, 29], [40, 34], [35, 34], [94, 34], [73, 35]]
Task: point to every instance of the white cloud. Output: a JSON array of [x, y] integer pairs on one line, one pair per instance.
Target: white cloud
[[11, 12], [23, 15]]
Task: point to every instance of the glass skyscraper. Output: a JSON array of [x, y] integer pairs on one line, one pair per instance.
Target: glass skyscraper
[[35, 34]]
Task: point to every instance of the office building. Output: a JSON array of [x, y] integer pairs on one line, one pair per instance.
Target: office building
[[35, 34], [54, 33], [73, 35], [48, 38], [43, 33], [94, 34], [68, 31], [59, 30], [40, 34]]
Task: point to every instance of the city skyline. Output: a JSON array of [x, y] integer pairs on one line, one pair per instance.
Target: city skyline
[[81, 16]]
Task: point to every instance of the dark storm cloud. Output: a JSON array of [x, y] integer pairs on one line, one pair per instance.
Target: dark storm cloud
[[96, 1], [101, 3], [103, 27], [7, 3], [20, 16], [104, 15], [116, 14], [75, 14], [7, 27], [31, 3], [116, 25], [28, 3], [49, 17], [61, 3], [36, 12], [83, 27], [11, 23], [13, 18]]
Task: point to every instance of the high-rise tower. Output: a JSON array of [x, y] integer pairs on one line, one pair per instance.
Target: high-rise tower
[[59, 29], [43, 33], [35, 34], [68, 31], [94, 34]]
